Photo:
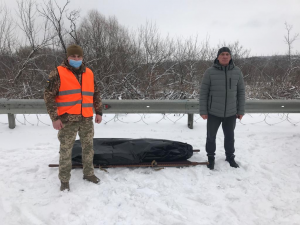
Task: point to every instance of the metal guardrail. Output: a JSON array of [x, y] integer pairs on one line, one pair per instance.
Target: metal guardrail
[[190, 107], [37, 106]]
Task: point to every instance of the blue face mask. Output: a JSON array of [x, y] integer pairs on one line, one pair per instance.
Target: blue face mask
[[75, 63]]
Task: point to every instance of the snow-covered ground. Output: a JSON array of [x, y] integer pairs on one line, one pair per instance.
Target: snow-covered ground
[[264, 190]]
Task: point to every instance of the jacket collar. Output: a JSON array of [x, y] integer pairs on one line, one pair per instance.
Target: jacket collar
[[218, 66]]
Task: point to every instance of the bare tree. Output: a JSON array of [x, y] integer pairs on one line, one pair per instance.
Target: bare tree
[[7, 47], [291, 75], [37, 35], [7, 26], [111, 53], [73, 17], [156, 51], [49, 11], [290, 39]]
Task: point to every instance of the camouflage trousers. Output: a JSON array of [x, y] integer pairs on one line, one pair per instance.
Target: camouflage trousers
[[67, 136]]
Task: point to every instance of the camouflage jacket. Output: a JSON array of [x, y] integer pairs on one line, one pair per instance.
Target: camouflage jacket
[[52, 89]]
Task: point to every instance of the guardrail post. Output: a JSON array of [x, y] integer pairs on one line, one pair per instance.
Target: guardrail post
[[190, 121], [11, 121]]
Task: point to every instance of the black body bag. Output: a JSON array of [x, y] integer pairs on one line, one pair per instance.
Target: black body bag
[[116, 151]]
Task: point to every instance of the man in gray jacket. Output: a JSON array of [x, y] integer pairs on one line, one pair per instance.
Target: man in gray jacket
[[222, 100]]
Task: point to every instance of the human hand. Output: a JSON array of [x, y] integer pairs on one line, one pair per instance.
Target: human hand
[[204, 116], [239, 116], [57, 125], [98, 118]]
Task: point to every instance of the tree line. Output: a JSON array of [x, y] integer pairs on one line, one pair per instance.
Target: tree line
[[138, 64]]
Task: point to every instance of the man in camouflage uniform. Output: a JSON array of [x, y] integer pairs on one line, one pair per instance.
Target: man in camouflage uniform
[[69, 124]]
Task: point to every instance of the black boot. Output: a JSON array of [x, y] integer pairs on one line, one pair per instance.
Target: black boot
[[232, 162], [211, 163], [92, 179], [64, 186]]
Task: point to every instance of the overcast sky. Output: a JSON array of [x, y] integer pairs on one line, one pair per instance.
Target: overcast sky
[[257, 24]]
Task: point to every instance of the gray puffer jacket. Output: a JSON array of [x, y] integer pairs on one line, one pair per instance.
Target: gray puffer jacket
[[222, 91]]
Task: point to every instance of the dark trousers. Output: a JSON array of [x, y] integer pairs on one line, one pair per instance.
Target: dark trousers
[[228, 125]]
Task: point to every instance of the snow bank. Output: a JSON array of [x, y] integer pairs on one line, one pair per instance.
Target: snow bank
[[264, 190]]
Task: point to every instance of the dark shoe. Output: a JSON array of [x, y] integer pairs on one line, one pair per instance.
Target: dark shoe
[[232, 163], [211, 163], [92, 179], [64, 186]]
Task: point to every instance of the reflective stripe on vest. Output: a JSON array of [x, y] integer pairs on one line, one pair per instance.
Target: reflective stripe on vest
[[68, 103], [74, 98], [69, 92]]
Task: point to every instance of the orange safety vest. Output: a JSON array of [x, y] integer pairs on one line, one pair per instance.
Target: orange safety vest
[[74, 98]]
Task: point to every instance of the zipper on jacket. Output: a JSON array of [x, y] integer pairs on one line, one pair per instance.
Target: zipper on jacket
[[230, 83], [225, 91], [210, 101]]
